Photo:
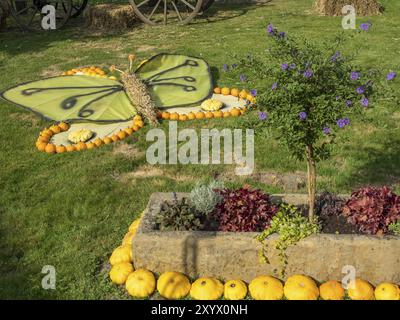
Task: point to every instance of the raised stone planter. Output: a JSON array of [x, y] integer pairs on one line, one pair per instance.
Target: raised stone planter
[[229, 255]]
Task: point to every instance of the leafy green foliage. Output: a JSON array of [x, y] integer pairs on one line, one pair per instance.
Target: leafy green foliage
[[291, 227], [395, 227], [178, 215], [307, 90], [204, 197]]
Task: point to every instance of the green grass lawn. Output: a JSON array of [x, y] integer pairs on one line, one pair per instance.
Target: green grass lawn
[[72, 210]]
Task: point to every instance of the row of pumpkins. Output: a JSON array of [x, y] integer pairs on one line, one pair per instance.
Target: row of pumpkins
[[142, 283]]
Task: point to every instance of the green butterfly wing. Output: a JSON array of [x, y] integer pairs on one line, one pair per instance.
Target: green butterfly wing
[[74, 98], [176, 80]]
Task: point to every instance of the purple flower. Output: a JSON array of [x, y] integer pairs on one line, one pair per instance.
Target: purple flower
[[365, 26], [225, 67], [262, 116], [292, 66], [270, 29], [308, 73], [391, 75], [365, 102], [282, 34], [326, 130], [274, 86], [346, 121], [337, 98], [284, 66], [253, 92], [341, 123], [335, 56], [360, 90], [242, 78], [354, 76], [302, 115], [349, 103], [234, 66]]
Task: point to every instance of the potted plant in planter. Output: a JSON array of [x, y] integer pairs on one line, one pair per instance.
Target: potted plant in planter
[[307, 93]]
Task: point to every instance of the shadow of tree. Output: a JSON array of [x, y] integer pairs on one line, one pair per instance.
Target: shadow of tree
[[375, 164]]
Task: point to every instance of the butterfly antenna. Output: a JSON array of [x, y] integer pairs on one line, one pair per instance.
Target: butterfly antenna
[[113, 68], [131, 58]]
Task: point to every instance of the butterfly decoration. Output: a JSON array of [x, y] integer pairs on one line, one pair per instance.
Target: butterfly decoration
[[171, 80]]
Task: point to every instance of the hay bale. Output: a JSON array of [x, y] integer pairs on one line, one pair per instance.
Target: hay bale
[[110, 17], [334, 7], [5, 10]]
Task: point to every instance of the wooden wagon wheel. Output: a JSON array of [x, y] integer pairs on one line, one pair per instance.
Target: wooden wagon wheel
[[155, 12], [28, 13], [77, 7]]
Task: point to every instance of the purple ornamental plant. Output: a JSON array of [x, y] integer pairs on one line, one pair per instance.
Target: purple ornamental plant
[[315, 98]]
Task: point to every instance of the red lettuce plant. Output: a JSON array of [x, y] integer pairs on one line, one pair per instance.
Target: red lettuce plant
[[372, 209], [244, 209]]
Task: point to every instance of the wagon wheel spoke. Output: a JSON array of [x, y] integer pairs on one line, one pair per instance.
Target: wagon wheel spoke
[[154, 10], [188, 4], [142, 3], [177, 11]]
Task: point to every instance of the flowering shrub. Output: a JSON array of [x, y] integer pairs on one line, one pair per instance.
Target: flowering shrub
[[244, 210], [373, 209], [313, 92]]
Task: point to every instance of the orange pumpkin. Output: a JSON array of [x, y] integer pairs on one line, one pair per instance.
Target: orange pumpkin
[[243, 94], [165, 115], [227, 114], [61, 149], [50, 148], [55, 129], [64, 126], [137, 118], [128, 131], [114, 137], [98, 142], [70, 148], [139, 123], [122, 135], [217, 90], [135, 128], [107, 140], [41, 146], [235, 112], [191, 116], [90, 145], [200, 115], [218, 114], [235, 92], [45, 139], [174, 116], [209, 115], [226, 91], [183, 117], [81, 146]]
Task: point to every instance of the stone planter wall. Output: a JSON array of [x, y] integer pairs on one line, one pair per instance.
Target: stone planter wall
[[228, 255]]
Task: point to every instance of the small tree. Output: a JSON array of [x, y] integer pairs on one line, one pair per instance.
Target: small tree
[[314, 90]]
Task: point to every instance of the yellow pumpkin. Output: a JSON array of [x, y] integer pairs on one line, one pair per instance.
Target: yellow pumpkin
[[235, 112], [174, 116], [134, 225], [266, 288], [137, 118], [121, 254], [331, 290], [122, 135], [107, 140], [139, 123], [360, 290], [200, 115], [82, 135], [387, 291], [55, 129], [206, 289], [183, 117], [191, 116], [140, 283], [235, 290], [173, 285], [243, 94], [226, 91], [98, 142], [128, 131], [120, 272], [217, 90], [235, 92], [165, 115], [300, 287], [128, 238], [211, 105]]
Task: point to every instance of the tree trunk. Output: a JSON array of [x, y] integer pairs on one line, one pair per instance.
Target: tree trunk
[[311, 181]]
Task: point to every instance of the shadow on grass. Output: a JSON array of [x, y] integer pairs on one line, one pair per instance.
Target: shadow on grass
[[376, 166]]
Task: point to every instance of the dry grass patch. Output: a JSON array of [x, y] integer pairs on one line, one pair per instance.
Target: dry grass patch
[[334, 7], [127, 151], [30, 118]]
